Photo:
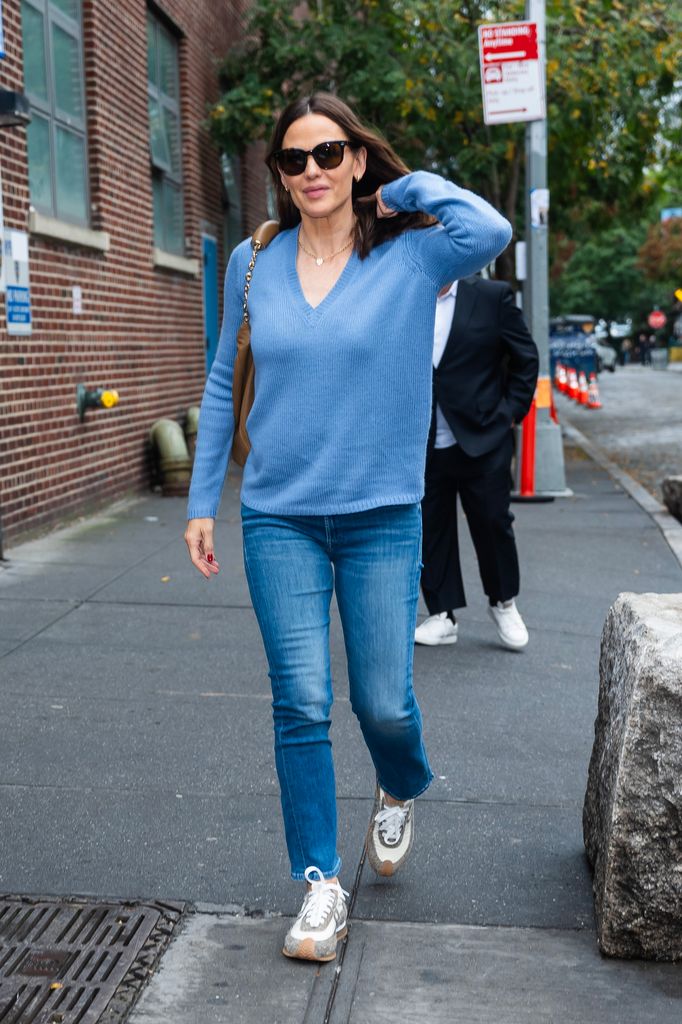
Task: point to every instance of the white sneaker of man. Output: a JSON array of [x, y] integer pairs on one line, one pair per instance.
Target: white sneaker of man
[[511, 628], [437, 629], [321, 921]]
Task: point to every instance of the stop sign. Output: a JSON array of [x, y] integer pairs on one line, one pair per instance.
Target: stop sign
[[656, 319]]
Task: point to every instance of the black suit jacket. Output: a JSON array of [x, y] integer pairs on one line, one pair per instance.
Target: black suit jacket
[[487, 374]]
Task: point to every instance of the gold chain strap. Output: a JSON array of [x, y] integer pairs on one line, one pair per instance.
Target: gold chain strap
[[257, 246]]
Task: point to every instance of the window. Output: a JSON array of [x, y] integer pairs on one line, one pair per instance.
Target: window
[[53, 80], [163, 89]]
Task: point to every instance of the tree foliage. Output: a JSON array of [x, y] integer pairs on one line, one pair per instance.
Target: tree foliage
[[660, 256], [410, 67], [601, 276], [622, 272]]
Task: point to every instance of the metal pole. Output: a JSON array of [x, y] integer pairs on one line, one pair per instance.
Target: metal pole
[[550, 477]]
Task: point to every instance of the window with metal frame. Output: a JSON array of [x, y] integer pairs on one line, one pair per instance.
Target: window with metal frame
[[163, 89], [53, 80]]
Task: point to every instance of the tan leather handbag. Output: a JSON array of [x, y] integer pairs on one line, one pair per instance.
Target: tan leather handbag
[[243, 374]]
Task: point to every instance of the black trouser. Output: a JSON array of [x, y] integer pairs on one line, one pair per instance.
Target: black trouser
[[483, 484]]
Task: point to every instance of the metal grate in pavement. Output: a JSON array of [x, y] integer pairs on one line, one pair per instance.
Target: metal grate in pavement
[[61, 962]]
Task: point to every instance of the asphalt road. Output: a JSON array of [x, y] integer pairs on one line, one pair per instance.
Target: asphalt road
[[640, 423]]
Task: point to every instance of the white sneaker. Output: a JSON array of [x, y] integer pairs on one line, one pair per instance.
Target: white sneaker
[[437, 629], [510, 626], [390, 835], [321, 922]]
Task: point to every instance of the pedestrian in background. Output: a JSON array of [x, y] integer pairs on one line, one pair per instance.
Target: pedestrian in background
[[649, 341], [625, 350], [341, 307], [641, 345], [485, 367]]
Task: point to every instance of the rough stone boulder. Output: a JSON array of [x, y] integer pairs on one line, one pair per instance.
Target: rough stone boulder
[[632, 818], [672, 495]]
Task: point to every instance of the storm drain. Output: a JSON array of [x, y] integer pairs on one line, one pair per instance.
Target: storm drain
[[63, 962]]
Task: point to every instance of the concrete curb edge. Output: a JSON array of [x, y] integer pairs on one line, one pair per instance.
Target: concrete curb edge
[[666, 522]]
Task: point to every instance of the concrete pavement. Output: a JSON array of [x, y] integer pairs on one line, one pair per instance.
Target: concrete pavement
[[137, 762]]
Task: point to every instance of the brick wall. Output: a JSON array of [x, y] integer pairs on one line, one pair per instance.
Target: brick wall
[[141, 328]]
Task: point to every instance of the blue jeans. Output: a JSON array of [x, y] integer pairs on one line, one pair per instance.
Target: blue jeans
[[293, 564]]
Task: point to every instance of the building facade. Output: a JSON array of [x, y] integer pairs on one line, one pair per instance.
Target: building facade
[[117, 216]]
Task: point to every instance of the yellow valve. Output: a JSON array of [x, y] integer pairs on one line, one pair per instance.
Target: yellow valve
[[99, 398], [108, 399]]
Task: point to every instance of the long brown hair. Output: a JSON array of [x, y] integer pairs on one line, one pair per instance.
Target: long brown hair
[[383, 165]]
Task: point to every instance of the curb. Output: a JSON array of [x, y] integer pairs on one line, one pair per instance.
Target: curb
[[665, 520]]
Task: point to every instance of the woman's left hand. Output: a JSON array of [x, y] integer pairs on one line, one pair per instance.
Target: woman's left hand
[[383, 211]]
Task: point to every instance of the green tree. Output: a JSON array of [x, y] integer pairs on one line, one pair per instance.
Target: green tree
[[609, 286], [660, 258], [411, 68], [621, 272]]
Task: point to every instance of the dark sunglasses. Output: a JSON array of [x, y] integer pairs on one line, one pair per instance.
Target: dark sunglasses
[[326, 155]]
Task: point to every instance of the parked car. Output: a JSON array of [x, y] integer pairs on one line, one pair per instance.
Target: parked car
[[621, 330], [607, 357], [594, 334]]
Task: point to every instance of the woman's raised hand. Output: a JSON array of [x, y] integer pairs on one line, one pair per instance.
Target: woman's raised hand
[[199, 540], [383, 210]]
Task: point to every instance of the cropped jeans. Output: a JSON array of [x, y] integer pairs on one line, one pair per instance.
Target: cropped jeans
[[293, 565]]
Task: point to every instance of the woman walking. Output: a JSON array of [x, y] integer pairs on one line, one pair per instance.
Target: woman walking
[[342, 309]]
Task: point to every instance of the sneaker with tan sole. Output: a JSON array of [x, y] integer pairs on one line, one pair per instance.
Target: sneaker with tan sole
[[321, 922], [390, 836]]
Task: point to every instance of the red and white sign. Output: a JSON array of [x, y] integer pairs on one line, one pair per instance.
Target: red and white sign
[[656, 319], [512, 74]]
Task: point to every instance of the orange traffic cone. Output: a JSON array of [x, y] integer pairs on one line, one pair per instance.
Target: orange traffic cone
[[573, 386], [561, 378], [583, 394], [593, 393]]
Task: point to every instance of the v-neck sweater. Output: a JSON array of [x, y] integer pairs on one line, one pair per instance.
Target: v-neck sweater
[[343, 390]]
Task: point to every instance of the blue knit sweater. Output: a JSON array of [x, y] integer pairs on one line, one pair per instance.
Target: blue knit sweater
[[343, 390]]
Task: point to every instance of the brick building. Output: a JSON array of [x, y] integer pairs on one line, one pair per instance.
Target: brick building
[[126, 212]]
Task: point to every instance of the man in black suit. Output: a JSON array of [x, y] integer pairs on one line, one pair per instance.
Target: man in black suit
[[485, 371]]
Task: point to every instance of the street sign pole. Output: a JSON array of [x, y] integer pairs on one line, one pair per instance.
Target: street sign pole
[[550, 475]]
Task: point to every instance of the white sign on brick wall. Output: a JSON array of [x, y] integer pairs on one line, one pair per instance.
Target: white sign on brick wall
[[18, 296]]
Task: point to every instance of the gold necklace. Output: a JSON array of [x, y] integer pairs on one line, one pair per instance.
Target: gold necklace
[[322, 259]]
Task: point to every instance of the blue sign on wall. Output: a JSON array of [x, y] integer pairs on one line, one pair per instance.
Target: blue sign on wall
[[18, 310], [2, 34]]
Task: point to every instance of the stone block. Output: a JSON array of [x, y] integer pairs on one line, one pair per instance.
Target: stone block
[[672, 495], [632, 817]]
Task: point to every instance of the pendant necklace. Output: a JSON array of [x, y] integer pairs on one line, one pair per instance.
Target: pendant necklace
[[319, 260]]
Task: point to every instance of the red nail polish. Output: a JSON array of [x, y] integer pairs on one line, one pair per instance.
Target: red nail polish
[[209, 558]]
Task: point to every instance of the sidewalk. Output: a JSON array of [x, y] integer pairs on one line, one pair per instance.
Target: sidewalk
[[137, 762]]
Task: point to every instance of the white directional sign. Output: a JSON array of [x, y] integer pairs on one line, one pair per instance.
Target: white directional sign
[[512, 74]]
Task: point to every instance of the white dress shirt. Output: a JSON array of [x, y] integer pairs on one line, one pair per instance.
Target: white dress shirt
[[445, 311]]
